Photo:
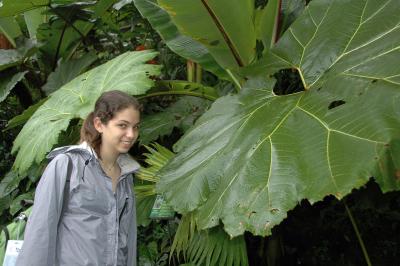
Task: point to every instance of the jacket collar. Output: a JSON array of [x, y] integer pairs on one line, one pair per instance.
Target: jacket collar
[[125, 161]]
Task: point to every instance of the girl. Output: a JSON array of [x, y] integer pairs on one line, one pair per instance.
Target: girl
[[84, 208]]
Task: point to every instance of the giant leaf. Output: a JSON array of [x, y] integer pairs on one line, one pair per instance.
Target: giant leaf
[[76, 99], [66, 71], [181, 114], [229, 36], [253, 156], [180, 44], [26, 114], [11, 7]]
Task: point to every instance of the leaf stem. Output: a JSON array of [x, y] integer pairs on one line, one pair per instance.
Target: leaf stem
[[234, 79], [302, 79], [59, 46], [229, 42], [360, 240]]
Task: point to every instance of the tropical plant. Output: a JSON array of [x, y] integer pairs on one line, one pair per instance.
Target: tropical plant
[[254, 155], [29, 76], [127, 73], [210, 247], [314, 114]]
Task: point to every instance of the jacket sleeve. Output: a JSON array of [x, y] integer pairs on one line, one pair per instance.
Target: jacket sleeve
[[132, 233], [39, 247]]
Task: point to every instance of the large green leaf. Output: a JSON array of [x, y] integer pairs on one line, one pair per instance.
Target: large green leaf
[[253, 156], [290, 10], [180, 44], [10, 28], [76, 99], [229, 36], [267, 21], [181, 114], [26, 114], [33, 19], [11, 7], [66, 71], [8, 82]]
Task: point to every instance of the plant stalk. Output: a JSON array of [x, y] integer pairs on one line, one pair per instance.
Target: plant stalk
[[199, 73], [190, 70], [59, 46], [360, 240]]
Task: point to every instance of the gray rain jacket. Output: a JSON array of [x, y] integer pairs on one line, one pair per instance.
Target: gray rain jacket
[[77, 219]]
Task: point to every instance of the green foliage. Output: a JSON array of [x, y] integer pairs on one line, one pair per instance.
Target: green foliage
[[11, 7], [8, 82], [266, 23], [67, 71], [253, 156], [75, 99], [211, 247], [13, 57], [147, 178], [181, 114], [154, 243], [22, 118], [290, 10], [208, 247], [229, 36], [176, 41], [9, 27], [8, 109], [33, 19]]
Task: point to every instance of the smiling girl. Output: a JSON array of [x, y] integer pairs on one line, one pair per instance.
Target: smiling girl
[[84, 207]]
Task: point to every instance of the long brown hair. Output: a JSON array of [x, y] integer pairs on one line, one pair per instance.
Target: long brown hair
[[107, 105]]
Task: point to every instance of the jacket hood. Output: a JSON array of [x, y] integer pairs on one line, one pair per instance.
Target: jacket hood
[[125, 161]]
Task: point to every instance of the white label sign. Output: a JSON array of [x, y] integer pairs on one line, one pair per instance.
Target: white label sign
[[12, 251]]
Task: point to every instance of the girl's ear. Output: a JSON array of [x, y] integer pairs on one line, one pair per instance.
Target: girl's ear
[[98, 125]]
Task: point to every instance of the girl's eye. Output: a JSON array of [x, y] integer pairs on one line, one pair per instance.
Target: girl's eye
[[136, 127], [122, 126]]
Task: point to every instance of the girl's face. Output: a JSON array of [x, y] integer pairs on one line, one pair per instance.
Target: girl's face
[[121, 132]]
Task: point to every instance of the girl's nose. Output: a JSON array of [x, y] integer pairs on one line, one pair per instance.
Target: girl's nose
[[130, 133]]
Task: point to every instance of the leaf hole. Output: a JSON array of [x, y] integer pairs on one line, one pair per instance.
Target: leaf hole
[[335, 104], [260, 3], [288, 81]]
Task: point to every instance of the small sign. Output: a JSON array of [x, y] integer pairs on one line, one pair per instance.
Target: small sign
[[12, 251], [161, 210]]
